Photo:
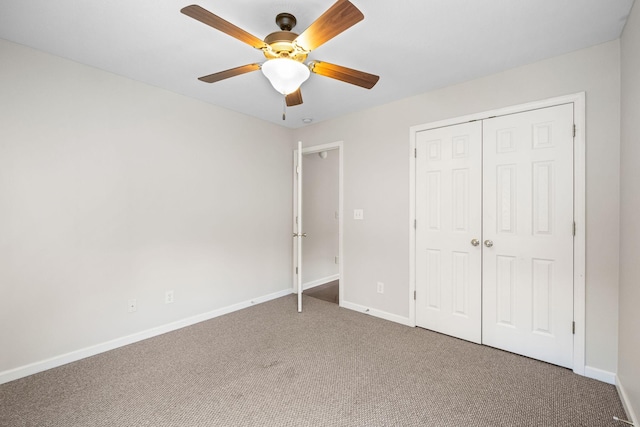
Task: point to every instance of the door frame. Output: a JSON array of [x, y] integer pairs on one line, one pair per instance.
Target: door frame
[[579, 207], [338, 145]]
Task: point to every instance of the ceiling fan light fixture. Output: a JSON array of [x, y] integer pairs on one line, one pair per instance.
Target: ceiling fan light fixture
[[285, 75]]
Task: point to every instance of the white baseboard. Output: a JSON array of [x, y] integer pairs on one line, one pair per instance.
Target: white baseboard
[[319, 282], [376, 313], [63, 359], [626, 403], [600, 375]]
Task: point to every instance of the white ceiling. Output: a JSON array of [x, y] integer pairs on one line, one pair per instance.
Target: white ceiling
[[413, 45]]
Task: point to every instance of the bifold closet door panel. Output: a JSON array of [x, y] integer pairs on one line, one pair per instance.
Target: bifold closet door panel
[[528, 233], [448, 230]]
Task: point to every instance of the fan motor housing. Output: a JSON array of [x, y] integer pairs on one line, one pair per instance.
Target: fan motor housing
[[281, 46]]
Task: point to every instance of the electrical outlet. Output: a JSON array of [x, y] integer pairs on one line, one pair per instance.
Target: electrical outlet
[[337, 260], [358, 214], [132, 305], [380, 288], [168, 297]]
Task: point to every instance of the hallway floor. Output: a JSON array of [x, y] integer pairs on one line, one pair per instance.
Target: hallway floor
[[327, 292]]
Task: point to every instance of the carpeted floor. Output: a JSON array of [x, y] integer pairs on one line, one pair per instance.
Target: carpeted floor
[[270, 366]]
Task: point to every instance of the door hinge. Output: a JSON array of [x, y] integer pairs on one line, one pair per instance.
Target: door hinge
[[574, 131], [296, 220], [573, 327], [296, 270], [298, 170], [415, 153], [414, 295], [415, 223], [574, 229]]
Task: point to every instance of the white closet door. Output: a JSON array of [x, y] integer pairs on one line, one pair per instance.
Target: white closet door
[[528, 234], [448, 214]]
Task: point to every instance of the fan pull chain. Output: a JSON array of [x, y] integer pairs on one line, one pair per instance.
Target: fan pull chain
[[284, 107]]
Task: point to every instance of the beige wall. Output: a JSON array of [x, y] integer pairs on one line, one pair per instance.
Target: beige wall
[[114, 190], [376, 165], [111, 190], [629, 336]]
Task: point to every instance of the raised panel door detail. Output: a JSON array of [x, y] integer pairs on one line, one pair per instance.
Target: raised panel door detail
[[506, 198], [460, 147], [460, 280], [542, 135], [434, 279], [460, 199], [542, 279], [434, 148], [506, 141], [505, 284], [543, 198], [434, 208]]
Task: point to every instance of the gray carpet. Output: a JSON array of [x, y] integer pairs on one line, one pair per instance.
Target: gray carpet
[[270, 366]]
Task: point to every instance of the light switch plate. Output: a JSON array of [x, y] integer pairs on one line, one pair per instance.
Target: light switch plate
[[358, 214]]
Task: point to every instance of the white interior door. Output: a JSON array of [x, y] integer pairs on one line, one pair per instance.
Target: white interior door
[[448, 230], [528, 233], [297, 224]]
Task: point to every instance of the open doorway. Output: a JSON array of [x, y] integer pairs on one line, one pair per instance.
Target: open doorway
[[321, 257], [320, 201]]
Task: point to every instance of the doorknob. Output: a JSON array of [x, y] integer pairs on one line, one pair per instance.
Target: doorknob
[[475, 242], [488, 243], [299, 235]]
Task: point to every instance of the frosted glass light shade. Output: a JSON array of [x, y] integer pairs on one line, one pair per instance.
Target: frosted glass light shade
[[285, 75]]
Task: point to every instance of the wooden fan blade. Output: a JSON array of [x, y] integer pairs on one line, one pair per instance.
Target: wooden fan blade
[[206, 17], [339, 17], [347, 75], [294, 98], [216, 77]]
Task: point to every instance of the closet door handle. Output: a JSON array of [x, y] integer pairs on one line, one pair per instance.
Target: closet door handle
[[488, 243], [475, 242]]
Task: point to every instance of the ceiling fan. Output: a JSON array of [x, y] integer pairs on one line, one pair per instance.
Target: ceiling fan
[[286, 51]]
